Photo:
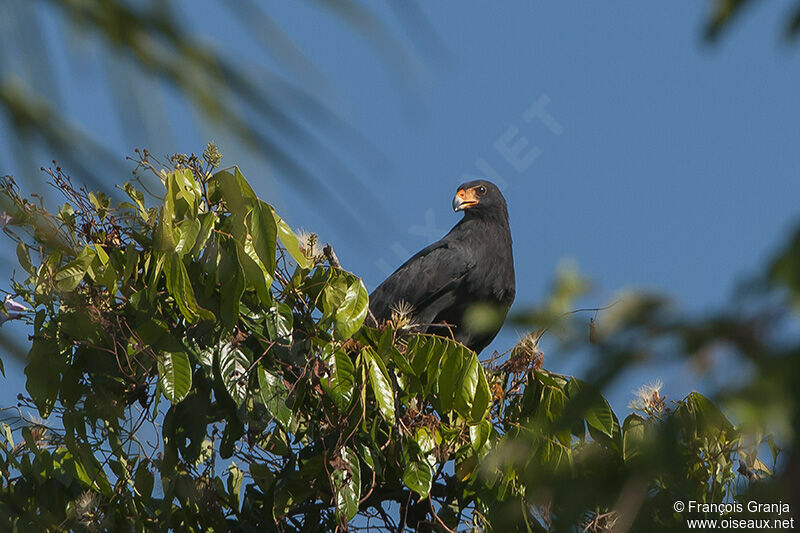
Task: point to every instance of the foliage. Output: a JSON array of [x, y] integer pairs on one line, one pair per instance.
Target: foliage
[[271, 102], [197, 366]]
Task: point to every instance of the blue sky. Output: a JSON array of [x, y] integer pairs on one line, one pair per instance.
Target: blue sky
[[667, 164]]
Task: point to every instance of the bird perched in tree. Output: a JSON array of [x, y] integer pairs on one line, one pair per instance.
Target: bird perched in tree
[[465, 280]]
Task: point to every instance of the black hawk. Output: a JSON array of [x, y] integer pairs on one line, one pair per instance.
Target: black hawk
[[465, 280]]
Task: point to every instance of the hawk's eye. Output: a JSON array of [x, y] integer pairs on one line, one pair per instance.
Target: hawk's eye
[[481, 190]]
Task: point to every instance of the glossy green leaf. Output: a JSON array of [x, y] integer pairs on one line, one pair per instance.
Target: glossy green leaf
[[290, 242], [207, 222], [425, 439], [233, 365], [255, 273], [351, 314], [184, 192], [174, 375], [68, 278], [235, 477], [279, 321], [187, 232], [262, 229], [180, 288], [453, 360], [273, 393], [381, 386], [338, 386], [479, 434], [346, 483], [345, 302], [472, 392], [418, 477]]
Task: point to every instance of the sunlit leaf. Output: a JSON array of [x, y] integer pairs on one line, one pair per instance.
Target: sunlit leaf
[[233, 365], [339, 383], [279, 320], [174, 375], [289, 241], [479, 434], [71, 275], [346, 484], [381, 386], [418, 477], [187, 232], [345, 302]]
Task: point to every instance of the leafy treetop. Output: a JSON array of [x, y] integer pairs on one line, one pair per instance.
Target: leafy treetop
[[197, 366]]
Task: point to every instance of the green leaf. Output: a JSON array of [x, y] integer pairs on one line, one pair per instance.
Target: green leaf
[[184, 192], [453, 359], [279, 321], [244, 186], [164, 238], [472, 397], [346, 302], [232, 279], [68, 278], [592, 405], [381, 386], [236, 193], [418, 477], [479, 434], [262, 229], [174, 375], [207, 221], [338, 386], [353, 310], [137, 197], [235, 476], [233, 363], [346, 483], [255, 274], [144, 480], [179, 286], [187, 233], [706, 417], [425, 439], [425, 354], [482, 401], [274, 393], [43, 373], [101, 254], [290, 242], [24, 258], [633, 435]]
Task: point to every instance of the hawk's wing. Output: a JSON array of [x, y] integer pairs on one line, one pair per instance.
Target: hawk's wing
[[422, 280]]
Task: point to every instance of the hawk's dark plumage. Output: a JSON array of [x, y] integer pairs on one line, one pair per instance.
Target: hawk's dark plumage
[[473, 264]]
